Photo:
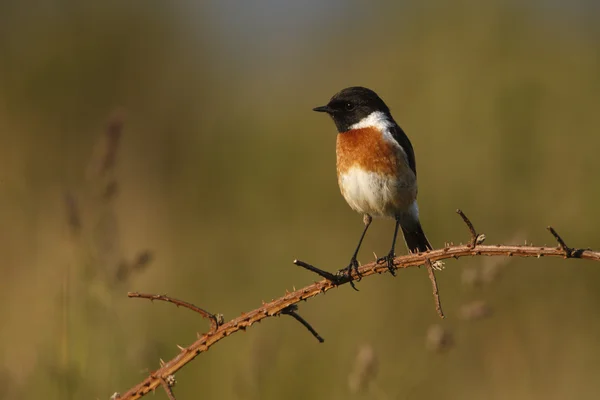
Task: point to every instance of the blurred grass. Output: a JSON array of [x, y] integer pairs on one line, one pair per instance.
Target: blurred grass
[[226, 176]]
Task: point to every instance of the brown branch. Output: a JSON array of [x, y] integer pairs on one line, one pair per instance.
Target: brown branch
[[561, 242], [436, 292], [473, 241], [215, 320], [327, 275], [277, 306], [291, 311], [167, 388]]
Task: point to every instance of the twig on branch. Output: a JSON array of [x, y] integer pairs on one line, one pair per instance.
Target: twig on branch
[[561, 243], [327, 275], [277, 306], [167, 387], [215, 319], [291, 311], [475, 238], [434, 286]]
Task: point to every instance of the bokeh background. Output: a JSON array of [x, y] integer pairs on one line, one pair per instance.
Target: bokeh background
[[170, 147]]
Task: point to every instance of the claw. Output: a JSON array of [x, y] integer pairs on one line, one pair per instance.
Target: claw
[[389, 260], [347, 272]]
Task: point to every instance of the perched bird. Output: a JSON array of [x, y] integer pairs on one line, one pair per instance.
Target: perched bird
[[376, 167]]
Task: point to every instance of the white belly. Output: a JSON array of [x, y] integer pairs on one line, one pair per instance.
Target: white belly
[[376, 194]]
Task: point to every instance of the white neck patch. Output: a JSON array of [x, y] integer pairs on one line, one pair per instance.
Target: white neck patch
[[381, 122], [376, 119]]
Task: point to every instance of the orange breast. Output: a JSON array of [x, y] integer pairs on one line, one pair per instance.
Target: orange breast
[[366, 148]]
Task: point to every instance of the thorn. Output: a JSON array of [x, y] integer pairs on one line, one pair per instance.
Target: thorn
[[181, 348], [162, 362]]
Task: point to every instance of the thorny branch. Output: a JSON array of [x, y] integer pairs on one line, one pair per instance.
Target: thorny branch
[[434, 286], [331, 281], [215, 319], [167, 387]]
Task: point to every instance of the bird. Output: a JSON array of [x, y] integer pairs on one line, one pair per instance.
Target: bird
[[376, 168]]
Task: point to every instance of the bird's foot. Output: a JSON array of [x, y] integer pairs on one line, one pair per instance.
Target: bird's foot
[[346, 273], [389, 260]]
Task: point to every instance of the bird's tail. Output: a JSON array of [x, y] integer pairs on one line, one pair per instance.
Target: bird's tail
[[415, 238]]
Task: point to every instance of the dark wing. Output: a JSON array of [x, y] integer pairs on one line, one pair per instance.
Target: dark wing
[[400, 137]]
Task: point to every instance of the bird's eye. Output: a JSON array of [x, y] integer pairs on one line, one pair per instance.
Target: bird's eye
[[349, 106]]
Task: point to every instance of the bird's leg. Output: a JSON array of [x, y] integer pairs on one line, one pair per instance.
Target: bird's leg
[[389, 259], [367, 219]]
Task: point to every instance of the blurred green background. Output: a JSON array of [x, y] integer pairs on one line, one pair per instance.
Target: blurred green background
[[224, 175]]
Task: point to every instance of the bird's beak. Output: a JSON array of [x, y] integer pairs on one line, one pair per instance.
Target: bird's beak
[[325, 109]]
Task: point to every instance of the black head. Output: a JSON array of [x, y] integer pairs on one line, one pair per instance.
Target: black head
[[351, 105]]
